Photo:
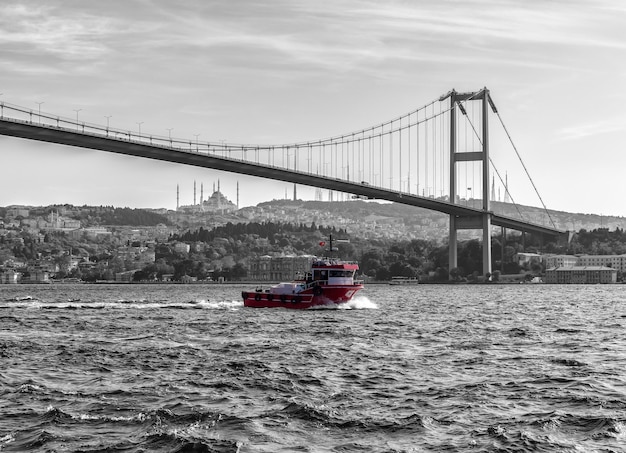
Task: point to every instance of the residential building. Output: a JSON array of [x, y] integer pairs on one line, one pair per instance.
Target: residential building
[[18, 211], [91, 232], [140, 256], [181, 247]]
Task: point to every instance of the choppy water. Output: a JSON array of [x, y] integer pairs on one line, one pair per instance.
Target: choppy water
[[410, 369]]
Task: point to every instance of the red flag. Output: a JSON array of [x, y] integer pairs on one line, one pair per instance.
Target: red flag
[[322, 243]]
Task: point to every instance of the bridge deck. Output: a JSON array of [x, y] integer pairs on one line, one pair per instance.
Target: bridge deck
[[64, 136]]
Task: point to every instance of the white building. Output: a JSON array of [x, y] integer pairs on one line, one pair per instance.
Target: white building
[[581, 274], [526, 258], [615, 261], [552, 261], [9, 276], [181, 247], [281, 268]]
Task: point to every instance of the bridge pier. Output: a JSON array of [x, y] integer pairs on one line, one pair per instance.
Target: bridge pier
[[482, 221]]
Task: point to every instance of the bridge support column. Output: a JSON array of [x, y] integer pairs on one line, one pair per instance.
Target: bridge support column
[[486, 243], [452, 245], [486, 201], [482, 221]]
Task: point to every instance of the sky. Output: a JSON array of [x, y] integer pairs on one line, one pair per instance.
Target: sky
[[281, 71]]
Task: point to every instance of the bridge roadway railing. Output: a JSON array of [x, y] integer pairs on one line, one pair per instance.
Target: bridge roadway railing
[[54, 129], [16, 113]]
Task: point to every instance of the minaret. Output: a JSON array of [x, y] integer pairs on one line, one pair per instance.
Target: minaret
[[507, 199], [493, 187], [201, 192], [295, 196], [177, 197], [194, 193]]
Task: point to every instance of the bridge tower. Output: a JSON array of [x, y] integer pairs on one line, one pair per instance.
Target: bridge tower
[[483, 220]]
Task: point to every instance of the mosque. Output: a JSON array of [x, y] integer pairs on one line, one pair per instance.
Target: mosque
[[217, 203]]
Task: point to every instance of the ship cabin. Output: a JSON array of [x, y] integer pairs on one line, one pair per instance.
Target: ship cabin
[[333, 272]]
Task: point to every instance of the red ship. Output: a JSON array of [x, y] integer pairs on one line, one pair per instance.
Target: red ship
[[329, 283]]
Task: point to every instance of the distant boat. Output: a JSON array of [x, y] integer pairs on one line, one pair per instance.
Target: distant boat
[[404, 281], [329, 283]]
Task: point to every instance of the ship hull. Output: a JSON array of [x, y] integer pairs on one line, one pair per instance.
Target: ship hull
[[319, 297]]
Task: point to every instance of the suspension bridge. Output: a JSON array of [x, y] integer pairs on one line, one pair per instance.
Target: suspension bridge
[[425, 158]]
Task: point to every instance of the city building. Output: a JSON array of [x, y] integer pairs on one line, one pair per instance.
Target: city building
[[581, 274], [17, 211], [90, 233], [552, 261], [181, 247], [217, 203], [9, 277], [277, 269], [125, 277], [615, 261], [138, 256], [526, 258], [36, 276]]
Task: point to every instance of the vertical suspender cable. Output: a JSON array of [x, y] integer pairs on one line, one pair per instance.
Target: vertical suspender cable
[[400, 155], [521, 161], [408, 183], [426, 169], [391, 156], [417, 153], [434, 123]]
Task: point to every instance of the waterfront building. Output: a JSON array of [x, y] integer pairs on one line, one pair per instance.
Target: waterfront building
[[9, 277], [280, 268], [581, 274], [615, 261], [125, 277], [37, 276], [526, 258]]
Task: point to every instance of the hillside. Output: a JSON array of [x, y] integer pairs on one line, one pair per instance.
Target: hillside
[[407, 222]]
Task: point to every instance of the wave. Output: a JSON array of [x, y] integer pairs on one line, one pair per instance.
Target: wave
[[155, 430], [356, 303], [360, 303], [332, 418], [122, 304], [21, 298]]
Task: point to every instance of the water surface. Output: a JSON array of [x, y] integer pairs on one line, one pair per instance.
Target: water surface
[[164, 368]]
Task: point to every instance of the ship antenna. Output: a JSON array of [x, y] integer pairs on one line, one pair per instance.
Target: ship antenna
[[330, 254]]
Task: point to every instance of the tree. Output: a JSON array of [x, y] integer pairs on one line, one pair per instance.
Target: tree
[[383, 274], [238, 272], [456, 273]]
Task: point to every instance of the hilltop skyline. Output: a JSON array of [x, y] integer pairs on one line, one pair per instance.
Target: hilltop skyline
[[288, 71]]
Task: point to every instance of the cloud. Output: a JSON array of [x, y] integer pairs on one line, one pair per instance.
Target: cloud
[[600, 127], [40, 32], [292, 38]]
